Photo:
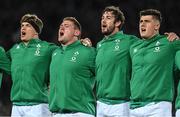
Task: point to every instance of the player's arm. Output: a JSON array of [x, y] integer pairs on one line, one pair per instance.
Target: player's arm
[[5, 64]]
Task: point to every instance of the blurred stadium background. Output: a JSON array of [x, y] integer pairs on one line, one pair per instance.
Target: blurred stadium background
[[88, 12]]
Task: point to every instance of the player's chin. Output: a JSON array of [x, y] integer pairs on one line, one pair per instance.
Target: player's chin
[[23, 39], [104, 31], [142, 34], [60, 39]]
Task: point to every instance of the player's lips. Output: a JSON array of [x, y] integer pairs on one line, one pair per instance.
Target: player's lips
[[143, 29], [61, 33], [23, 33], [104, 26]]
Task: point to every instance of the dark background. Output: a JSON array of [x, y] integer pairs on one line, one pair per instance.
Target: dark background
[[88, 12]]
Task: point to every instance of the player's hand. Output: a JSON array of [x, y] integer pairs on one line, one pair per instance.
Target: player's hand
[[172, 36], [86, 42]]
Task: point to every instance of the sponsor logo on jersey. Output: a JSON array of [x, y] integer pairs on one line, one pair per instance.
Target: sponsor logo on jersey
[[99, 45], [116, 47], [157, 48], [37, 52], [54, 54], [74, 57], [17, 47], [135, 50]]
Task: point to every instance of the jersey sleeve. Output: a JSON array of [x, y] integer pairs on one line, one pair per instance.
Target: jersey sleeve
[[177, 59], [52, 47], [133, 39], [0, 79], [176, 45], [92, 57], [5, 64]]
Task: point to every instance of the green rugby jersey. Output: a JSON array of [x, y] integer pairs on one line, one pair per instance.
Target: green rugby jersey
[[152, 70], [113, 68], [72, 78], [5, 65], [177, 62], [30, 72]]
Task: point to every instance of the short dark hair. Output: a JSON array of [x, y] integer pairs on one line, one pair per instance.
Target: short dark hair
[[76, 23], [155, 13], [119, 16], [34, 21]]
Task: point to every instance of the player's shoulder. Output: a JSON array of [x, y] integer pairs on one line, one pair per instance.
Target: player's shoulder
[[47, 43], [87, 48], [2, 49], [16, 45], [131, 37]]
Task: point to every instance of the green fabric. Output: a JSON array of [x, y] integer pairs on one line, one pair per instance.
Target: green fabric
[[4, 61], [0, 79], [30, 71], [111, 102], [177, 75], [113, 68], [72, 78], [152, 70], [5, 65]]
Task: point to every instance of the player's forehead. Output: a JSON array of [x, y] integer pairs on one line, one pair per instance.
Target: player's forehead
[[108, 14]]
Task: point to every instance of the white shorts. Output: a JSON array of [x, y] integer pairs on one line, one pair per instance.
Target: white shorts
[[40, 110], [178, 113], [79, 114], [160, 109], [115, 110]]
